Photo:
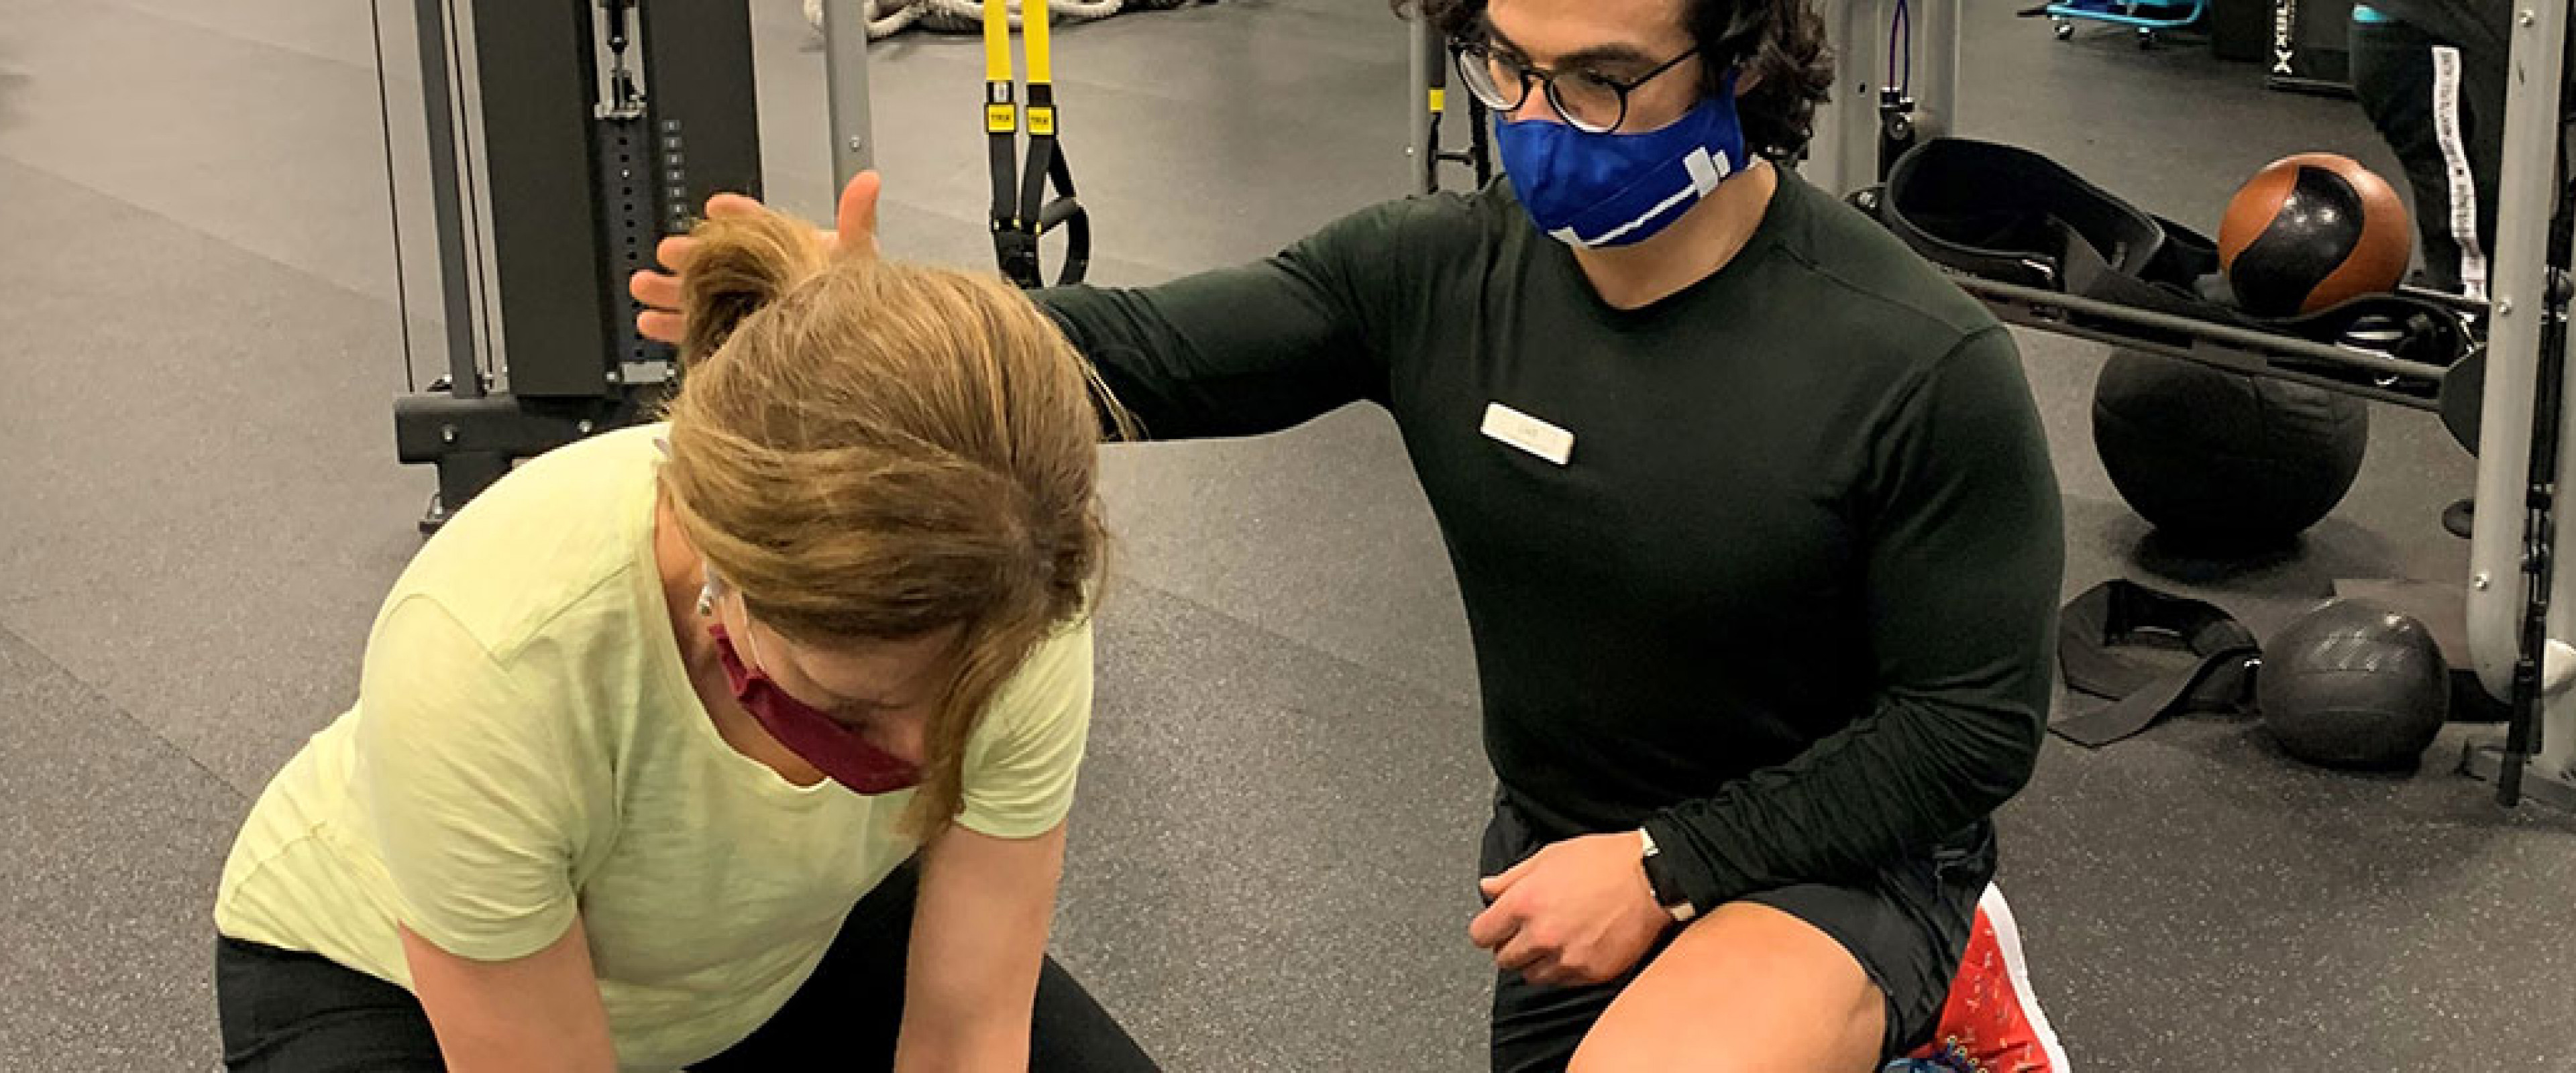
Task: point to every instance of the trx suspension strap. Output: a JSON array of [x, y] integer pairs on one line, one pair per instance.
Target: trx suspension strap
[[1477, 154], [1021, 210]]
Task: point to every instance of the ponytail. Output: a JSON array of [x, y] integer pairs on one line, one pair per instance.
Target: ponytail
[[743, 264]]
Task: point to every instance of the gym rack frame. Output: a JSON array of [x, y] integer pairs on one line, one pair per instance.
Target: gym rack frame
[[550, 182], [2521, 611]]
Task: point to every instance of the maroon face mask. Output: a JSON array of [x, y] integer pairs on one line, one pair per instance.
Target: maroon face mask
[[815, 737]]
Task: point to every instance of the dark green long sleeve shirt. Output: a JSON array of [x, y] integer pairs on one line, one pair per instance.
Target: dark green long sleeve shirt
[[1789, 598]]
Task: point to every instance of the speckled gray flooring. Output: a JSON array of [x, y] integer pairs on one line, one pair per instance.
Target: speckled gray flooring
[[1271, 865]]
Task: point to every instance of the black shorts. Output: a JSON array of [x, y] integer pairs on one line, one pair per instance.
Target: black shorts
[[285, 1011], [1908, 926]]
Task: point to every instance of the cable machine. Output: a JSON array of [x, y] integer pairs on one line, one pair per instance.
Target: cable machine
[[551, 182]]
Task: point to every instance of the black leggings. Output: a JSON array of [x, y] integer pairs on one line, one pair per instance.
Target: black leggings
[[2393, 75], [290, 1012]]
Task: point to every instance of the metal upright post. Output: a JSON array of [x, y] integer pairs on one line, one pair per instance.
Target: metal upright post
[[1419, 154], [1935, 26], [2518, 546], [438, 108], [1842, 154], [2532, 135], [1435, 101], [845, 75]]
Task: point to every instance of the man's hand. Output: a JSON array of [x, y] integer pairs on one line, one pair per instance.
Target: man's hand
[[1576, 912], [854, 231]]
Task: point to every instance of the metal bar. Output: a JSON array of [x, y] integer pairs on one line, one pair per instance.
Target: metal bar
[[393, 192], [2211, 354], [1435, 100], [2532, 149], [1819, 164], [1480, 141], [438, 110], [1422, 157], [2457, 303], [474, 157], [2226, 335], [1935, 27], [845, 76], [1842, 156], [2526, 193]]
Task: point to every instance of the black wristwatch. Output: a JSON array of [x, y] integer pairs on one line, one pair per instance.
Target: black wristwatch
[[1659, 877]]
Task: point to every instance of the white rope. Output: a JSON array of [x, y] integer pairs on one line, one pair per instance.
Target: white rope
[[886, 18]]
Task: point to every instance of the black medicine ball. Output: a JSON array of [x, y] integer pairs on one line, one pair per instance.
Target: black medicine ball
[[2354, 685], [2223, 461]]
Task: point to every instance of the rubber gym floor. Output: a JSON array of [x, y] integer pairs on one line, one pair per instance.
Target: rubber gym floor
[[1273, 857]]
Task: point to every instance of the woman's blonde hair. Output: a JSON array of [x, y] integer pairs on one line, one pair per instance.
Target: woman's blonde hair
[[868, 450]]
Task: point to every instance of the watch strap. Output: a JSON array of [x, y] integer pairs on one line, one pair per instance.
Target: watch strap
[[1660, 880]]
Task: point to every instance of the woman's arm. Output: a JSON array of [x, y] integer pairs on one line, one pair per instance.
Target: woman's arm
[[476, 805], [539, 1012], [978, 937]]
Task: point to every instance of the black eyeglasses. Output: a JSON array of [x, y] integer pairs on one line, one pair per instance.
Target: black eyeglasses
[[1587, 101]]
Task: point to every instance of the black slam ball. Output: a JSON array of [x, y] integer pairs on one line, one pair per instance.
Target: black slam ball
[[2354, 685], [2223, 461]]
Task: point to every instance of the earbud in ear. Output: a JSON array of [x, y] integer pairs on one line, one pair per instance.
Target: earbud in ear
[[707, 594]]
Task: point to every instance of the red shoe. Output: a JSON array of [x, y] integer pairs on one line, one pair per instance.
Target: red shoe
[[1992, 1022]]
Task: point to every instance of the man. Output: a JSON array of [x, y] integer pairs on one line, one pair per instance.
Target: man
[[2431, 75], [1752, 516]]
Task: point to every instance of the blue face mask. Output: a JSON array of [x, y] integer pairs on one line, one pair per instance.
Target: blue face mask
[[1614, 189]]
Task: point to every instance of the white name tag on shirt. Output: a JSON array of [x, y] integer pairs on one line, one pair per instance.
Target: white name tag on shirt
[[1528, 433]]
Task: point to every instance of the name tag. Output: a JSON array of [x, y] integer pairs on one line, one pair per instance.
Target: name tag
[[1528, 433]]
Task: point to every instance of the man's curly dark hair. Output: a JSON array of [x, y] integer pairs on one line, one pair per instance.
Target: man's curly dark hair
[[1780, 42]]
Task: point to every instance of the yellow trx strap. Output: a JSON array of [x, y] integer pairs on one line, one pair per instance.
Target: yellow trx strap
[[1022, 212]]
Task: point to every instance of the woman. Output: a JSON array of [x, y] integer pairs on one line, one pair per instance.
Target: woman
[[639, 729]]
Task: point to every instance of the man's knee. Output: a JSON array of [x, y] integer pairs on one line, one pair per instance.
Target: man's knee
[[1716, 1049], [1747, 988]]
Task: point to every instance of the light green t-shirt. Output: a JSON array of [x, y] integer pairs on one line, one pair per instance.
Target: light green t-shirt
[[526, 746]]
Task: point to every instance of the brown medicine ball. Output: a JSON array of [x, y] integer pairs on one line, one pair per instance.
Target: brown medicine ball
[[2312, 230]]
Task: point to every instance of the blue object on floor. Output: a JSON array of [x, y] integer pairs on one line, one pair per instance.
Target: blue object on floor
[[2145, 15]]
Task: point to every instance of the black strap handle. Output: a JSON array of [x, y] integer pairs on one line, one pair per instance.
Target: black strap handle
[[1023, 211]]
